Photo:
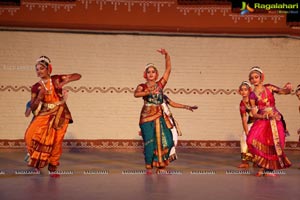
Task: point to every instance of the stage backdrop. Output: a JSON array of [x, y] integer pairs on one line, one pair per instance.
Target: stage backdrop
[[206, 71]]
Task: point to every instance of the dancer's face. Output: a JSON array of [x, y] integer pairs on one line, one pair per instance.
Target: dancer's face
[[244, 91], [41, 71], [151, 74], [255, 78]]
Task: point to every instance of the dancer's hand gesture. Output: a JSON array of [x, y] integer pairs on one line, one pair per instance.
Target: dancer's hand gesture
[[288, 86], [162, 51]]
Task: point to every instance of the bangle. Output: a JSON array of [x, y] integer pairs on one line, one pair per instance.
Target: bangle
[[266, 116]]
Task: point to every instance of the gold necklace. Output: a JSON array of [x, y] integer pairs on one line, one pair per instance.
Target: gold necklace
[[247, 104], [152, 87], [48, 91], [260, 93]]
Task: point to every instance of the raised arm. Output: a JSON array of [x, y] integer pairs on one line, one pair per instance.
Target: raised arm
[[287, 88], [167, 72], [69, 78]]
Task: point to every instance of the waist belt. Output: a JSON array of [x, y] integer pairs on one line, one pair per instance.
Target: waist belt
[[52, 105], [151, 104]]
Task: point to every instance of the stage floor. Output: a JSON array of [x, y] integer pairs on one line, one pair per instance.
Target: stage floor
[[120, 175]]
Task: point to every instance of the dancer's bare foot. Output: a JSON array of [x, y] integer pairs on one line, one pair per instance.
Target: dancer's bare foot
[[243, 165], [148, 171], [52, 171], [37, 171], [54, 175], [260, 173], [270, 174]]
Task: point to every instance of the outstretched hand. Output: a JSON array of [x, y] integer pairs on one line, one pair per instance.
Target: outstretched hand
[[192, 108], [288, 86], [162, 51]]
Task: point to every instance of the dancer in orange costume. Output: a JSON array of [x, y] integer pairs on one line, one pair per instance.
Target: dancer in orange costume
[[45, 133]]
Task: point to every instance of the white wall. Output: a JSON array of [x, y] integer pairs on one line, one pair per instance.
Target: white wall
[[118, 61]]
